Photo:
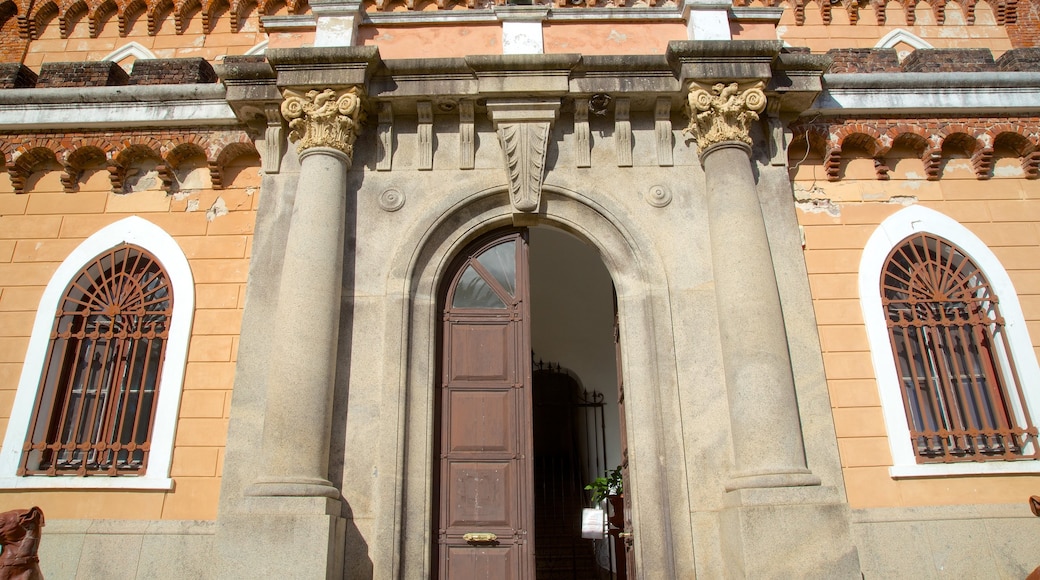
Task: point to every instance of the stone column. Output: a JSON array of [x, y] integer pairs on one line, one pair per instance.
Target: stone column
[[766, 430], [305, 328]]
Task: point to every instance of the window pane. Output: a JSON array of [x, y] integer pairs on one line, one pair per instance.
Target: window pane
[[942, 318], [472, 291], [97, 397], [501, 262]]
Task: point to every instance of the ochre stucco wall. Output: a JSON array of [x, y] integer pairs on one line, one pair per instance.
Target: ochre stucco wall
[[39, 228], [1004, 212]]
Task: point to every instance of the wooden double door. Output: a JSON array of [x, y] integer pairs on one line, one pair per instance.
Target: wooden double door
[[485, 477]]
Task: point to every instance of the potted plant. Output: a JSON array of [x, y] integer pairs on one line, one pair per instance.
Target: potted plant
[[610, 484]]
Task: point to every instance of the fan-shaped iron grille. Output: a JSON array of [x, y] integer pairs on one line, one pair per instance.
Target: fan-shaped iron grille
[[961, 392], [96, 401]]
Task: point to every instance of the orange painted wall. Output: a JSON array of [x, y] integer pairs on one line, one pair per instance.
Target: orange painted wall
[[39, 228], [1004, 212]]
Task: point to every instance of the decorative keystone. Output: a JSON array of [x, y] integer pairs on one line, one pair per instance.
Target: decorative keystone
[[724, 111], [327, 118], [524, 128]]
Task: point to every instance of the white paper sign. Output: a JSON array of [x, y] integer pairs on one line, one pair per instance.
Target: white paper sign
[[593, 523]]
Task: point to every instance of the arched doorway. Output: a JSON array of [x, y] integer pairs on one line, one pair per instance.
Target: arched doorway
[[501, 424]]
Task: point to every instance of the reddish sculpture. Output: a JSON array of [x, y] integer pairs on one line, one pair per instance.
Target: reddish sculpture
[[20, 538]]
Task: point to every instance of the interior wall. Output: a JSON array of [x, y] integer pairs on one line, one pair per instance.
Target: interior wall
[[572, 319]]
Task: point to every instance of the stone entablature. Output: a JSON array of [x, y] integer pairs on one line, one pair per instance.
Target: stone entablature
[[934, 140]]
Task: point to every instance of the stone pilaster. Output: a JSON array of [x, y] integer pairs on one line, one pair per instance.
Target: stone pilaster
[[766, 430], [305, 328]]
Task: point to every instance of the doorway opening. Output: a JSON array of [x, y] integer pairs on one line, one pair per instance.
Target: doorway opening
[[577, 435], [520, 440]]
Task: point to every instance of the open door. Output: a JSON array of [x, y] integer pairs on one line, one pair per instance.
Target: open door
[[621, 526], [485, 516]]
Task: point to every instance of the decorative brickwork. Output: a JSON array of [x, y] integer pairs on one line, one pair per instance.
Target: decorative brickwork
[[1020, 59], [30, 17], [27, 153], [1025, 32], [864, 60], [81, 74], [16, 76], [172, 71], [950, 60], [1005, 11], [933, 140]]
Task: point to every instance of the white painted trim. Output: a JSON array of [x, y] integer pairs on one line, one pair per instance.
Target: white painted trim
[[898, 35], [258, 48], [133, 230], [897, 227], [133, 49]]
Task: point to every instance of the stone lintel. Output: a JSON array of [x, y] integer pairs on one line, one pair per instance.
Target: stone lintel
[[514, 13], [718, 60], [521, 110], [322, 8], [633, 75], [306, 68], [523, 74], [797, 81], [251, 86]]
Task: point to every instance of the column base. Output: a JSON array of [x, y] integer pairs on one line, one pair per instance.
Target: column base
[[280, 545], [791, 532], [292, 487], [771, 478]]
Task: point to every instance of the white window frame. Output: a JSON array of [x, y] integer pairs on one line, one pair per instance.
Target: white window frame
[[140, 232], [892, 231]]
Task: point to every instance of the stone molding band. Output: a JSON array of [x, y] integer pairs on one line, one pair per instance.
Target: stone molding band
[[326, 118]]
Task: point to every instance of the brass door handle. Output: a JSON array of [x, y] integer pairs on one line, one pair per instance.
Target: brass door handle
[[624, 534], [480, 537]]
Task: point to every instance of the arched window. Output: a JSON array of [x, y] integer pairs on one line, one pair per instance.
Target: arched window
[[959, 382], [956, 372], [100, 389], [96, 399]]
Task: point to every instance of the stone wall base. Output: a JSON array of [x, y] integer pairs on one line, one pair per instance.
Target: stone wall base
[[127, 549], [787, 532], [971, 541], [281, 537]]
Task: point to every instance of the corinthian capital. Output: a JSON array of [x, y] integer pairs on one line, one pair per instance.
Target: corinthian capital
[[328, 118], [724, 111]]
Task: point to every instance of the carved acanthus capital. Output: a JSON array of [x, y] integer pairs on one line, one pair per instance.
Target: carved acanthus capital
[[328, 118], [724, 111]]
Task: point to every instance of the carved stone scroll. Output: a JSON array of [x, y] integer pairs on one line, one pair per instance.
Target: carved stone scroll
[[777, 135], [523, 128], [467, 135], [385, 132], [582, 134], [663, 131], [274, 146], [724, 111], [328, 118], [425, 112], [622, 133]]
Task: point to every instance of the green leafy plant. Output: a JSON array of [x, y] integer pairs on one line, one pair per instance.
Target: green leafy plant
[[610, 484]]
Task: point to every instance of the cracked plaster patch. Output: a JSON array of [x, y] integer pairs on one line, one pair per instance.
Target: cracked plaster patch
[[903, 199], [219, 208], [819, 206]]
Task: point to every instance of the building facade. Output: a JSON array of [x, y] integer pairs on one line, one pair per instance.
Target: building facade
[[372, 290]]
